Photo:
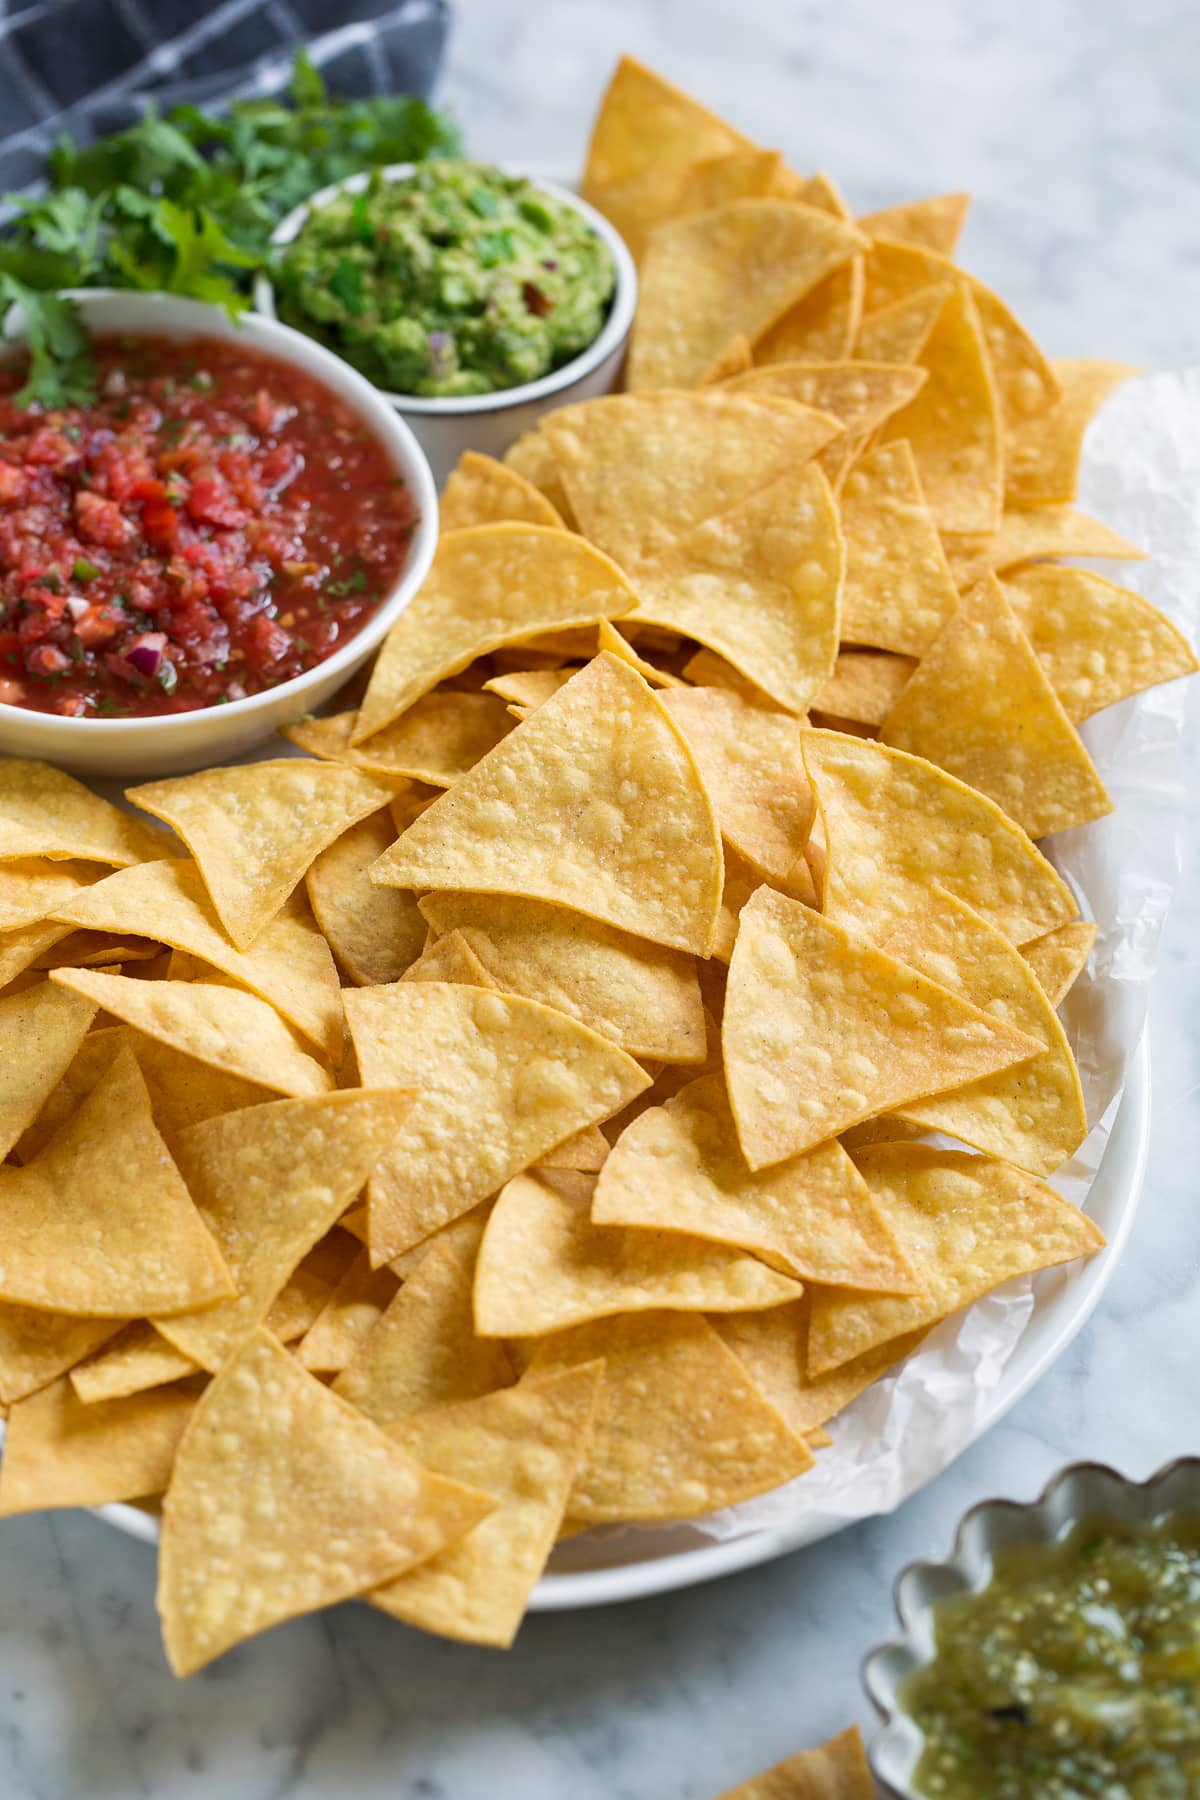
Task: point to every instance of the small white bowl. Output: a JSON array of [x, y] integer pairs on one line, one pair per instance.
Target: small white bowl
[[176, 742], [1083, 1490], [492, 422]]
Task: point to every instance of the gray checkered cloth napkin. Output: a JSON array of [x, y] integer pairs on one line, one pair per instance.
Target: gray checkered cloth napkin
[[86, 67]]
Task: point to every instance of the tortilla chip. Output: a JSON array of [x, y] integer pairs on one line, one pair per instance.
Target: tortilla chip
[[533, 459], [969, 1223], [44, 812], [423, 1351], [488, 586], [20, 949], [463, 1236], [482, 491], [1043, 451], [36, 1346], [821, 327], [865, 686], [523, 1446], [133, 1362], [609, 638], [450, 958], [375, 933], [822, 1030], [32, 886], [772, 1347], [642, 996], [1029, 534], [502, 1080], [760, 585], [237, 1033], [899, 333], [1033, 1115], [439, 737], [643, 852], [40, 1032], [680, 1428], [981, 706], [284, 1499], [862, 395], [585, 1152], [836, 1770], [1098, 643], [734, 359], [59, 1452], [895, 824], [953, 424], [716, 180], [678, 1168], [1058, 957], [352, 1311], [933, 224], [527, 688], [98, 950], [899, 591], [544, 1266], [270, 1181], [100, 1223]]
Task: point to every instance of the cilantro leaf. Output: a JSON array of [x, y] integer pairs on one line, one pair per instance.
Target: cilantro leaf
[[60, 369]]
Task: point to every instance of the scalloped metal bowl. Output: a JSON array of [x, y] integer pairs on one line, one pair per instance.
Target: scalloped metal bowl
[[1080, 1491]]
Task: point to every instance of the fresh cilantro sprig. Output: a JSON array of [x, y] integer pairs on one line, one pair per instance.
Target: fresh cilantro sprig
[[186, 205]]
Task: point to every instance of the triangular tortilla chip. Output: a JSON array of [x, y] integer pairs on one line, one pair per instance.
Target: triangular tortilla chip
[[823, 325], [643, 469], [1033, 1115], [236, 1032], [35, 1346], [284, 1499], [933, 224], [899, 591], [254, 829], [894, 824], [289, 963], [749, 758], [136, 1360], [450, 958], [352, 1311], [760, 585], [44, 812], [680, 1428], [969, 1222], [32, 886], [423, 1351], [644, 997], [865, 686], [523, 1446], [641, 849], [439, 736], [1057, 958], [981, 706], [585, 1152], [482, 491], [534, 461], [20, 949], [100, 1223], [463, 1236], [60, 1452], [527, 688], [953, 424], [488, 586], [270, 1181], [1026, 535], [716, 180], [898, 333], [679, 1168], [543, 1266], [861, 394], [1097, 642], [837, 1770], [375, 933], [40, 1032], [822, 1030], [1043, 451], [502, 1080], [609, 638]]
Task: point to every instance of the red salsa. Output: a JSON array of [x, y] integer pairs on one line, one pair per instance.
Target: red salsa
[[214, 523]]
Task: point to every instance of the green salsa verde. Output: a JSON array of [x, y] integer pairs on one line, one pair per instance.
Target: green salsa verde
[[458, 279], [1076, 1672]]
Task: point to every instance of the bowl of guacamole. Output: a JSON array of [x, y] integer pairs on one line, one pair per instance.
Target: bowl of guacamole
[[473, 296]]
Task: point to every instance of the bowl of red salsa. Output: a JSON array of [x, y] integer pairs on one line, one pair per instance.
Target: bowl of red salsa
[[205, 550]]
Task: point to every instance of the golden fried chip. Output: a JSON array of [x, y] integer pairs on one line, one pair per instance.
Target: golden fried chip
[[643, 851], [59, 1452], [270, 1181], [969, 1223], [463, 1236], [823, 325], [40, 1033], [981, 706], [678, 1168], [375, 933], [351, 1312], [100, 1222], [502, 1080], [716, 180], [822, 1030], [44, 812], [284, 1499], [543, 1266], [760, 585], [933, 224], [836, 1770], [861, 394], [609, 638], [439, 737], [20, 949], [236, 1032], [1030, 533], [899, 591], [523, 1446], [585, 1152], [1043, 451], [133, 1362], [423, 1351], [1057, 957], [450, 958], [641, 995], [1097, 642], [772, 1346], [898, 333], [527, 688], [680, 1428], [533, 460], [894, 824], [865, 686], [35, 1346], [482, 491], [32, 886], [488, 586]]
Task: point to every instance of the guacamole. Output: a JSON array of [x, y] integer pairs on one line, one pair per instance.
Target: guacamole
[[458, 279], [1076, 1672]]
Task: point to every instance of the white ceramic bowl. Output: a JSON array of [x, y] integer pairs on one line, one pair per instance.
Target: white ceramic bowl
[[491, 422], [177, 742], [1081, 1491]]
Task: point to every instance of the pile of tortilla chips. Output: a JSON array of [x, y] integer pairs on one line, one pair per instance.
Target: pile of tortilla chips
[[518, 1115]]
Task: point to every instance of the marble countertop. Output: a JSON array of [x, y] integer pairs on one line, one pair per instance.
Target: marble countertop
[[1077, 133]]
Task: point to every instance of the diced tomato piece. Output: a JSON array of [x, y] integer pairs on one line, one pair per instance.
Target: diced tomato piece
[[47, 659], [211, 503], [12, 483], [100, 521]]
